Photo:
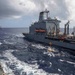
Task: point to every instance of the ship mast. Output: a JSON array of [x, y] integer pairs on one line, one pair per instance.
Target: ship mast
[[66, 29]]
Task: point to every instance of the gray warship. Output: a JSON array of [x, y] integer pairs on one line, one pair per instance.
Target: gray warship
[[47, 31]]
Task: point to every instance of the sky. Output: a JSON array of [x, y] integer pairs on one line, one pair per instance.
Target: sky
[[22, 13]]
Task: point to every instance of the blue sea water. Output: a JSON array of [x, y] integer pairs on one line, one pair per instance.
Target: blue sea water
[[21, 57]]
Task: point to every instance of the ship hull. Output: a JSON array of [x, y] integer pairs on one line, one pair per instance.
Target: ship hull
[[42, 39]]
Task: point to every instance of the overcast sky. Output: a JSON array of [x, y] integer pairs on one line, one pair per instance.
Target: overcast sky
[[21, 13]]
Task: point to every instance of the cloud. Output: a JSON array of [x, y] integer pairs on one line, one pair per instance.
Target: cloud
[[10, 8], [7, 10], [63, 9], [15, 8], [71, 8]]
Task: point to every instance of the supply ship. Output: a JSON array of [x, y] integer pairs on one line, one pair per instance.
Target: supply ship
[[47, 30]]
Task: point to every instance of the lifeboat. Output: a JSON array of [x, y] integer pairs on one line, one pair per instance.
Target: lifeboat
[[40, 30]]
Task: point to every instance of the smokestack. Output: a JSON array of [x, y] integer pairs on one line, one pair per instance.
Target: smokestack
[[41, 16]]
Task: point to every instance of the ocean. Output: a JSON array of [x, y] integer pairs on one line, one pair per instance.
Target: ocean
[[21, 57]]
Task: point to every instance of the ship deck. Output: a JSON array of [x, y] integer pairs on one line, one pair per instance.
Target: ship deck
[[72, 41]]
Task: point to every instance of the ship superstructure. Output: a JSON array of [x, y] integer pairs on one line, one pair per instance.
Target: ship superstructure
[[45, 25], [47, 30]]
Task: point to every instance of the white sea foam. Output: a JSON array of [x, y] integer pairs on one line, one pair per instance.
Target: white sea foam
[[51, 54], [39, 46], [50, 51], [6, 68], [8, 42], [70, 62], [0, 43], [20, 66], [19, 35], [67, 61], [59, 70]]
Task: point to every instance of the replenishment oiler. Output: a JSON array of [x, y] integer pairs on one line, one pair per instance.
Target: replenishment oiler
[[47, 30]]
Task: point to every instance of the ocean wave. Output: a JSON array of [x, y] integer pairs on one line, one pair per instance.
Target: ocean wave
[[39, 46], [19, 35], [18, 66], [9, 42], [50, 51], [0, 43], [69, 62], [6, 68]]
